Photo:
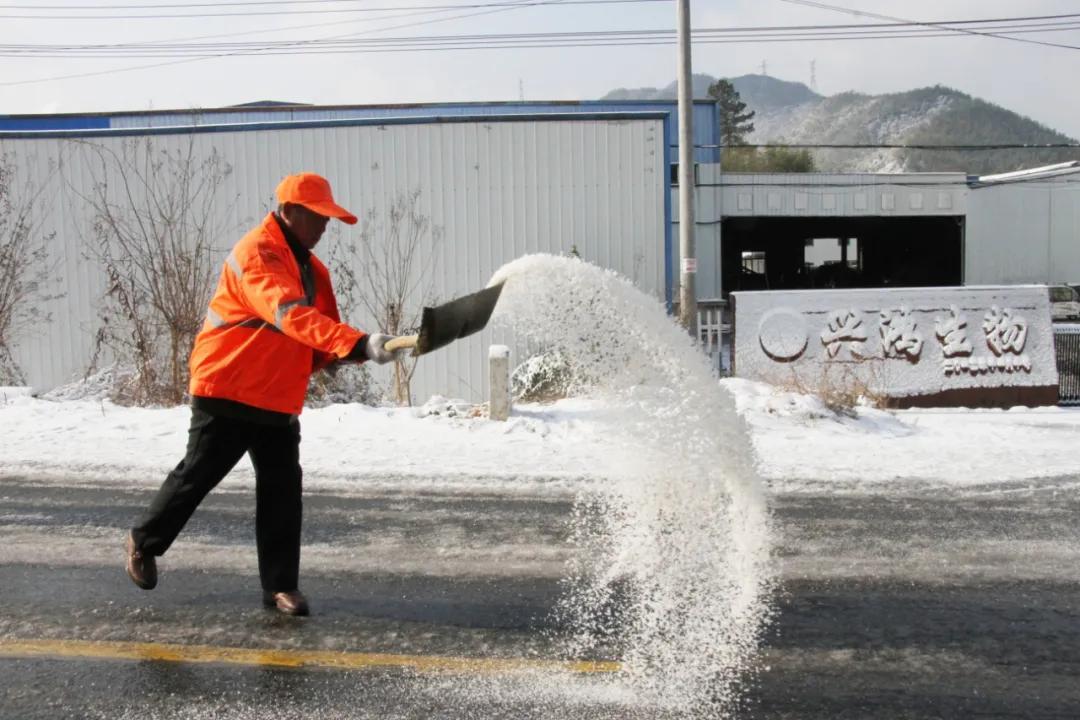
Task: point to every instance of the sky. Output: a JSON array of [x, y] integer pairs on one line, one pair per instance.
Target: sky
[[1033, 80]]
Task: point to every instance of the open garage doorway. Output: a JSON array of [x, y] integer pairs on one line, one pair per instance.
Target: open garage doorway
[[841, 252]]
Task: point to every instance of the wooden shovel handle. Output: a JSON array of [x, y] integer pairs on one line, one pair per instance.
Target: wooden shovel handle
[[402, 342]]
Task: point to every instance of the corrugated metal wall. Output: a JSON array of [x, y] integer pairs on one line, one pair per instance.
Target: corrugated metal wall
[[497, 189], [705, 116], [1024, 232]]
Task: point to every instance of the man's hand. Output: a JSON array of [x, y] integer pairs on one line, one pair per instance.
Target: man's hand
[[376, 349]]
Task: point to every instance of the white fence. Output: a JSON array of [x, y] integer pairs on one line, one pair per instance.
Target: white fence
[[714, 331]]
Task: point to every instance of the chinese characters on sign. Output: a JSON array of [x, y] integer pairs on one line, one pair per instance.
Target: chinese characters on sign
[[977, 346], [898, 334], [845, 330], [1005, 333], [952, 333], [845, 338]]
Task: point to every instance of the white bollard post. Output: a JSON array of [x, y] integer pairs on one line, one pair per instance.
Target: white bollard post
[[499, 363]]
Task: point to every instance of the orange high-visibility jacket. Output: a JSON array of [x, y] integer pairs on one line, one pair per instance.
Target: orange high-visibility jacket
[[264, 334]]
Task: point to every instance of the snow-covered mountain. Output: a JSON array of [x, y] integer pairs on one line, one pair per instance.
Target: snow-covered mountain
[[792, 112]]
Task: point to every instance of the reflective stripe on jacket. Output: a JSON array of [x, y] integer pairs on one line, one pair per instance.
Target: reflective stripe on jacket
[[266, 329]]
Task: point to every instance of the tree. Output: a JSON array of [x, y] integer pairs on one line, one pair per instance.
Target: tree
[[734, 118], [389, 272], [771, 159], [735, 125], [24, 268], [155, 215]]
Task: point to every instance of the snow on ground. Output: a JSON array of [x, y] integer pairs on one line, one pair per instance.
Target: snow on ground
[[799, 444], [429, 446]]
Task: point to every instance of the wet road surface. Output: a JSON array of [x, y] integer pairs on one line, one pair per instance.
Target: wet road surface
[[930, 603]]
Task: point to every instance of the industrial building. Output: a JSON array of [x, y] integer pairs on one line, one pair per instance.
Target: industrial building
[[506, 179], [491, 189], [805, 231]]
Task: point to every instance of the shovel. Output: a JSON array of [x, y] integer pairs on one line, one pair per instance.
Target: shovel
[[446, 323]]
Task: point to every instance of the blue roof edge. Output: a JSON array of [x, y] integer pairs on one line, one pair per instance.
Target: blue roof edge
[[342, 122]]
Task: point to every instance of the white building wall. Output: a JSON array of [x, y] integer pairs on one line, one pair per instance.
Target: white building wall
[[1024, 232], [719, 195], [843, 195], [496, 190]]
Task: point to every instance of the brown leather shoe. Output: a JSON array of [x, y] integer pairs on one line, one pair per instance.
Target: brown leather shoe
[[291, 602], [141, 567]]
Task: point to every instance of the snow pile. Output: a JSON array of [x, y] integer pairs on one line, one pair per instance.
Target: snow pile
[[803, 446], [7, 394], [541, 377], [444, 444], [677, 566], [437, 405], [96, 386]]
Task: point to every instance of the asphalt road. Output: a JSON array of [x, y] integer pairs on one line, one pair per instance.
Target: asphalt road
[[919, 604]]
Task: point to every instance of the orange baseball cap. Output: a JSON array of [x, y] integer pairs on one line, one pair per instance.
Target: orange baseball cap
[[313, 192]]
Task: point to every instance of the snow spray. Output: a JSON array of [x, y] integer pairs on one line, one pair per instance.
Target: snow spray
[[674, 571]]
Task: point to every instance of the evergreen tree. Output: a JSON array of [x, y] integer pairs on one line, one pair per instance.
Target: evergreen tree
[[773, 159], [734, 118]]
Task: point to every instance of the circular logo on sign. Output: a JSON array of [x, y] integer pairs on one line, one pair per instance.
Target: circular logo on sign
[[782, 334]]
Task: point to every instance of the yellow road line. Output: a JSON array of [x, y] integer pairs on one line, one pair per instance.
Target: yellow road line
[[171, 652]]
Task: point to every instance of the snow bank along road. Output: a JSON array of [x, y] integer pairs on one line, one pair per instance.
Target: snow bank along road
[[927, 602]]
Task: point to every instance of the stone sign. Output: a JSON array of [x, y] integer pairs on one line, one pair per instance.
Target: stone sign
[[974, 346]]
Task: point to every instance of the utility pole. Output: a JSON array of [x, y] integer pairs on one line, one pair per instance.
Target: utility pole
[[688, 265]]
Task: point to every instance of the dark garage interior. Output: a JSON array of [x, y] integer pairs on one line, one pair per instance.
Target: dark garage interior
[[795, 253]]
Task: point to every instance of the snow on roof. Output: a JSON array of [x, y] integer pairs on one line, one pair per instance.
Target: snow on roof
[[1039, 173]]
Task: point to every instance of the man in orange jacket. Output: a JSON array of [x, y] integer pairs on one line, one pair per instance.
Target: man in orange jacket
[[272, 321]]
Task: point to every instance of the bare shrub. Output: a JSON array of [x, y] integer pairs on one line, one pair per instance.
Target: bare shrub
[[24, 266], [387, 273], [343, 383], [843, 386], [155, 216], [543, 378]]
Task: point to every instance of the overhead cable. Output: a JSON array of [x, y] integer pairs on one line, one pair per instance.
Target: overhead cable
[[940, 26], [318, 11], [352, 43], [133, 68]]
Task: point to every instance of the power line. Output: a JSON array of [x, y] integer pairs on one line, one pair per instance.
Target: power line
[[349, 43], [387, 45], [196, 59], [940, 26], [160, 6], [701, 34], [288, 28], [322, 11], [187, 52]]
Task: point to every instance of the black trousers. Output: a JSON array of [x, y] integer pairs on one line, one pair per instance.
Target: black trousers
[[215, 445]]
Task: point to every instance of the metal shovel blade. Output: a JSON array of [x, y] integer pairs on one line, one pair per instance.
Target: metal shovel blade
[[456, 319]]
